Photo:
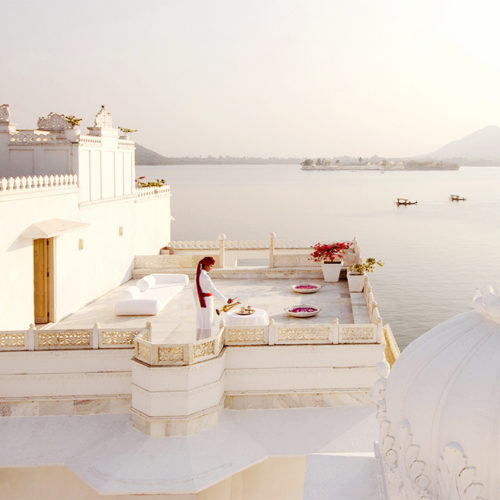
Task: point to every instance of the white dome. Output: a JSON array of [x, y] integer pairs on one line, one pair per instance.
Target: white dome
[[440, 419]]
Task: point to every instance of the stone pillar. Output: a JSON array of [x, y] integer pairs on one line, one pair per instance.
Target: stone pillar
[[272, 243], [222, 250]]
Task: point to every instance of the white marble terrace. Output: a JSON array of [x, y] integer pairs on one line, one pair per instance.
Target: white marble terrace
[[179, 385]]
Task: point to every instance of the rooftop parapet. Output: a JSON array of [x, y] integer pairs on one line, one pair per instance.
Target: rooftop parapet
[[57, 147], [69, 338]]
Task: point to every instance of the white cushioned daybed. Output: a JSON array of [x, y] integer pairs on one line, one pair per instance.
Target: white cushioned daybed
[[150, 294]]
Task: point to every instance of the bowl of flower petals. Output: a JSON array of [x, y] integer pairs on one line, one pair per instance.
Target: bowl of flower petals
[[306, 288], [302, 311]]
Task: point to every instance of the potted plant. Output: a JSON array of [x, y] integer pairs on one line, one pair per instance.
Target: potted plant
[[357, 273], [140, 182], [126, 132], [72, 133], [330, 255]]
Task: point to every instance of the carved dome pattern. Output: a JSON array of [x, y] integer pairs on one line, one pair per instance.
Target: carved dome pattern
[[439, 410]]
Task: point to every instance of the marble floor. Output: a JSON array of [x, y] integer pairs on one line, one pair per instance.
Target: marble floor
[[109, 454], [176, 323]]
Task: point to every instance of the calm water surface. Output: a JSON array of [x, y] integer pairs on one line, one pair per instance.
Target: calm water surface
[[437, 253]]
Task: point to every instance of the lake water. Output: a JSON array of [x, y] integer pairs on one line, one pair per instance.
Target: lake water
[[436, 253]]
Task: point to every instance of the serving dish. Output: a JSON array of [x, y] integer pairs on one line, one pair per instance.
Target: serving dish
[[302, 311], [306, 288], [245, 311]]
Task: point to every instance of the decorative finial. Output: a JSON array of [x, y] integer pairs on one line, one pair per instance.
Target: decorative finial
[[103, 118], [486, 301], [4, 113]]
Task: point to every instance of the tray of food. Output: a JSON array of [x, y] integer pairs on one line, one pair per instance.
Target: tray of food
[[245, 311]]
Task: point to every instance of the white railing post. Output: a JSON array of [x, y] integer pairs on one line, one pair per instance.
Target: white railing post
[[30, 338], [356, 249], [334, 333], [379, 331], [272, 243], [272, 332], [222, 250], [94, 337]]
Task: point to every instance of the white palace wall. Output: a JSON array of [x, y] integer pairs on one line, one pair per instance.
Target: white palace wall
[[80, 275]]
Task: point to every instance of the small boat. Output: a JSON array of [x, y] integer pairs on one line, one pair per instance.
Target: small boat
[[404, 201], [456, 197]]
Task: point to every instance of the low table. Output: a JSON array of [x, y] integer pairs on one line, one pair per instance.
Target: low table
[[258, 318]]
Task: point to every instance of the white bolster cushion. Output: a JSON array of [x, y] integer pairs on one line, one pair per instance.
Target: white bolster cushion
[[131, 292], [147, 282]]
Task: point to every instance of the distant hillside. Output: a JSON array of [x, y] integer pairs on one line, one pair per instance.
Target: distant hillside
[[480, 147], [145, 156]]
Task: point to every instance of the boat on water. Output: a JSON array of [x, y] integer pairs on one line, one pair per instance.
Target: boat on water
[[456, 197], [405, 201]]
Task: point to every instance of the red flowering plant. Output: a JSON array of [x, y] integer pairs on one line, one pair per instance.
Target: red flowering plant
[[330, 252]]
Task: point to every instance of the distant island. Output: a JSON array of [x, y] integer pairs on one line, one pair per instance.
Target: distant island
[[377, 164], [481, 148]]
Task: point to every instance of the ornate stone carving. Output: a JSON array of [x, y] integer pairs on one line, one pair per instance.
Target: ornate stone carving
[[456, 478], [118, 337], [406, 474], [245, 335], [202, 350], [4, 113], [68, 338], [303, 333], [53, 122], [9, 339], [171, 353], [357, 333], [103, 119], [143, 352]]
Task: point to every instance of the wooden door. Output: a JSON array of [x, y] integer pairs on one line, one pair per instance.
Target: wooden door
[[43, 258]]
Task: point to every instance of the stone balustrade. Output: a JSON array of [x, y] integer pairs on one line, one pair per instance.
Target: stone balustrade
[[193, 245], [391, 346], [29, 137], [81, 338], [90, 140], [373, 311], [239, 244], [154, 354], [176, 354], [279, 253], [148, 192], [10, 185]]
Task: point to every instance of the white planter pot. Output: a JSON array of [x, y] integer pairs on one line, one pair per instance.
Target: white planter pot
[[356, 281], [331, 271], [72, 134]]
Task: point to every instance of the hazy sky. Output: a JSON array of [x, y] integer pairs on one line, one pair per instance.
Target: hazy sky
[[259, 77]]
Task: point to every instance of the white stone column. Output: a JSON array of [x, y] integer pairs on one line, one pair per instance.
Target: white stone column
[[272, 243], [222, 250]]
